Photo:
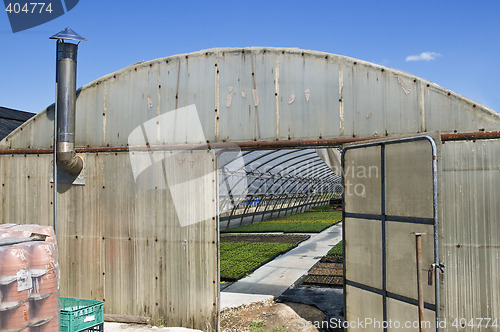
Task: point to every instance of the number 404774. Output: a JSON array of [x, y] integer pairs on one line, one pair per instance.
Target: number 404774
[[28, 8]]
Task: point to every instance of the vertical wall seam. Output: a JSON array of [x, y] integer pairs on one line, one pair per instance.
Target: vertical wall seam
[[341, 99], [421, 105], [277, 94]]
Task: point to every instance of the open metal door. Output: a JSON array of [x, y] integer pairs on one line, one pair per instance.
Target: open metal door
[[390, 199]]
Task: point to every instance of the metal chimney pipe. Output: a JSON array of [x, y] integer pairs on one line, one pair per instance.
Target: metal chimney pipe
[[66, 108]]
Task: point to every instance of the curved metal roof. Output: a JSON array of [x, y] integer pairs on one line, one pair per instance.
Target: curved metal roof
[[265, 173], [261, 94]]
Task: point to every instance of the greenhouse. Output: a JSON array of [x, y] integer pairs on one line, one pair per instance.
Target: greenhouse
[[168, 152]]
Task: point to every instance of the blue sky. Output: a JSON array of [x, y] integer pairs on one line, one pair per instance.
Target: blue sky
[[460, 39]]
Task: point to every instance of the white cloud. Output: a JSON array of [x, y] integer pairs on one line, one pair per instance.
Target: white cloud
[[424, 56]]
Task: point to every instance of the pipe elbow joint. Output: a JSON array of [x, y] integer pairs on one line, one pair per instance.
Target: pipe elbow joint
[[68, 159]]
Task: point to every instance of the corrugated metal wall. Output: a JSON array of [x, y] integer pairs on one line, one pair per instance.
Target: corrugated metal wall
[[470, 224], [122, 242]]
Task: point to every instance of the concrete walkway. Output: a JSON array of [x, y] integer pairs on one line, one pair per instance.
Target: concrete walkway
[[278, 275]]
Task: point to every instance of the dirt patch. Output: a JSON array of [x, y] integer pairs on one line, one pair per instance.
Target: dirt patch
[[270, 238], [308, 312], [270, 316]]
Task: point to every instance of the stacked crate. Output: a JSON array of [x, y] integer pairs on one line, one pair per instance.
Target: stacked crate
[[29, 279]]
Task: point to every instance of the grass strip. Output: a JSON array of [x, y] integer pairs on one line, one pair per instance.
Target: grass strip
[[307, 222], [238, 259], [337, 250]]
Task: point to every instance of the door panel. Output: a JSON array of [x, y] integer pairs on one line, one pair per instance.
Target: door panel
[[389, 196]]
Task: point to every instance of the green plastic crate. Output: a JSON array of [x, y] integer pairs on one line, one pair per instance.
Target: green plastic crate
[[78, 314]]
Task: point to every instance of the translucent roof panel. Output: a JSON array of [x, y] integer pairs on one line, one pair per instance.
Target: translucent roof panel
[[270, 179]]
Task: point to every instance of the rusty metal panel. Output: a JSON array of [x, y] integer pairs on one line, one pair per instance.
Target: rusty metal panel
[[91, 116], [377, 100], [161, 258], [292, 93], [20, 177], [188, 80], [447, 111], [308, 96], [80, 235], [470, 243], [130, 245], [130, 101], [246, 94]]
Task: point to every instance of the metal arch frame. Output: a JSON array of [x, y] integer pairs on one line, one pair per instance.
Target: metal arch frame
[[284, 161], [316, 161], [281, 179], [290, 166], [284, 191], [244, 153], [306, 180], [266, 162], [301, 186], [255, 169]]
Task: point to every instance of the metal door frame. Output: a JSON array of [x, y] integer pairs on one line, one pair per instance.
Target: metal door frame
[[383, 218]]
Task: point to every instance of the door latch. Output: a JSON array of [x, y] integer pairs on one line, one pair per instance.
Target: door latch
[[430, 273]]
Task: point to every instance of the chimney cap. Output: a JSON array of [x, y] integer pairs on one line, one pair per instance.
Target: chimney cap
[[68, 33]]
